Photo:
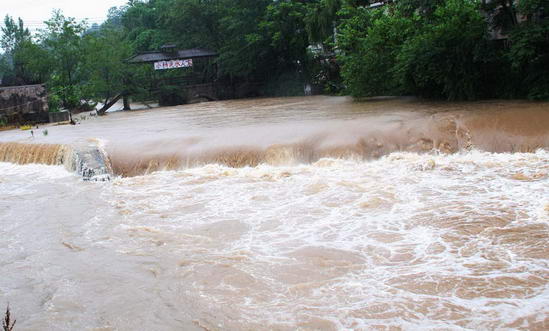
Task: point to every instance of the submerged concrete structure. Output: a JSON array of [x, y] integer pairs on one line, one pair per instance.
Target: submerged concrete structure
[[87, 159]]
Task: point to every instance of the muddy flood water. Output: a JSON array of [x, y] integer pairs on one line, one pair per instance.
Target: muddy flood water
[[314, 213]]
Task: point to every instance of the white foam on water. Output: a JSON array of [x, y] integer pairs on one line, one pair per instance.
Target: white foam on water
[[456, 242], [38, 172], [443, 241]]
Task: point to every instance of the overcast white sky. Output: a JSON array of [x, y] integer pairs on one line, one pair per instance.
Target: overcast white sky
[[34, 12]]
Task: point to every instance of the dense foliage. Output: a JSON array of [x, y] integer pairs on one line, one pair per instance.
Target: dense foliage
[[454, 49]]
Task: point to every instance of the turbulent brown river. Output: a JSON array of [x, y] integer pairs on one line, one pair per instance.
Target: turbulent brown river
[[314, 213]]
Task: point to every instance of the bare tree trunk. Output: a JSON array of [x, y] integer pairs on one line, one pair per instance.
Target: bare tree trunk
[[126, 100], [109, 105]]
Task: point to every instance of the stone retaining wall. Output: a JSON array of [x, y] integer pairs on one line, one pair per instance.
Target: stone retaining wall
[[23, 104]]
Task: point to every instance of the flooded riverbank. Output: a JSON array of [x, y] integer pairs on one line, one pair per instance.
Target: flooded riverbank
[[336, 232]]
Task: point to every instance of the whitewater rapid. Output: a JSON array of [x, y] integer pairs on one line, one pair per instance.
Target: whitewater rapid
[[407, 241], [315, 213]]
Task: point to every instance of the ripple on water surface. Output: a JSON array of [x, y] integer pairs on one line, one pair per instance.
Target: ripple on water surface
[[431, 241], [455, 241]]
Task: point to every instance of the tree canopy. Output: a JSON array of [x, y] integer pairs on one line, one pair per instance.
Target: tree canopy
[[455, 49]]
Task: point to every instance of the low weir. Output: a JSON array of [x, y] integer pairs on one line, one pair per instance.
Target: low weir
[[89, 161]]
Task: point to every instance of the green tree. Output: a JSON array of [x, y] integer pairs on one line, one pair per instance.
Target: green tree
[[141, 19], [448, 56], [437, 49], [107, 75], [246, 52], [33, 63], [6, 69], [15, 39], [370, 41], [322, 19], [285, 28], [13, 34], [62, 38], [529, 49]]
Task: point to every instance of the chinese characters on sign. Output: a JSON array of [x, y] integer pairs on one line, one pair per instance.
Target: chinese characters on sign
[[172, 64]]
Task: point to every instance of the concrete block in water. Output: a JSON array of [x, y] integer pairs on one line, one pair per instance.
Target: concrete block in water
[[91, 163], [88, 160]]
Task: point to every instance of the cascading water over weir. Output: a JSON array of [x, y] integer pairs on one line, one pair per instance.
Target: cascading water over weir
[[87, 160], [299, 132]]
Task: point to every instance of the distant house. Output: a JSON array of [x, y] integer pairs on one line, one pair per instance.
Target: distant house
[[198, 64], [193, 76], [23, 104], [193, 70]]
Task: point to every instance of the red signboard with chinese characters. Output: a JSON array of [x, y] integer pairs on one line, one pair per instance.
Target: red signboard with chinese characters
[[173, 64]]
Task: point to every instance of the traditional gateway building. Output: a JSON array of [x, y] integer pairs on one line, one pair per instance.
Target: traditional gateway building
[[193, 73], [196, 76]]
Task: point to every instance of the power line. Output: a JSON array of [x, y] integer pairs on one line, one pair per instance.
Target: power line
[[44, 24], [98, 18], [37, 27], [36, 24], [22, 105]]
